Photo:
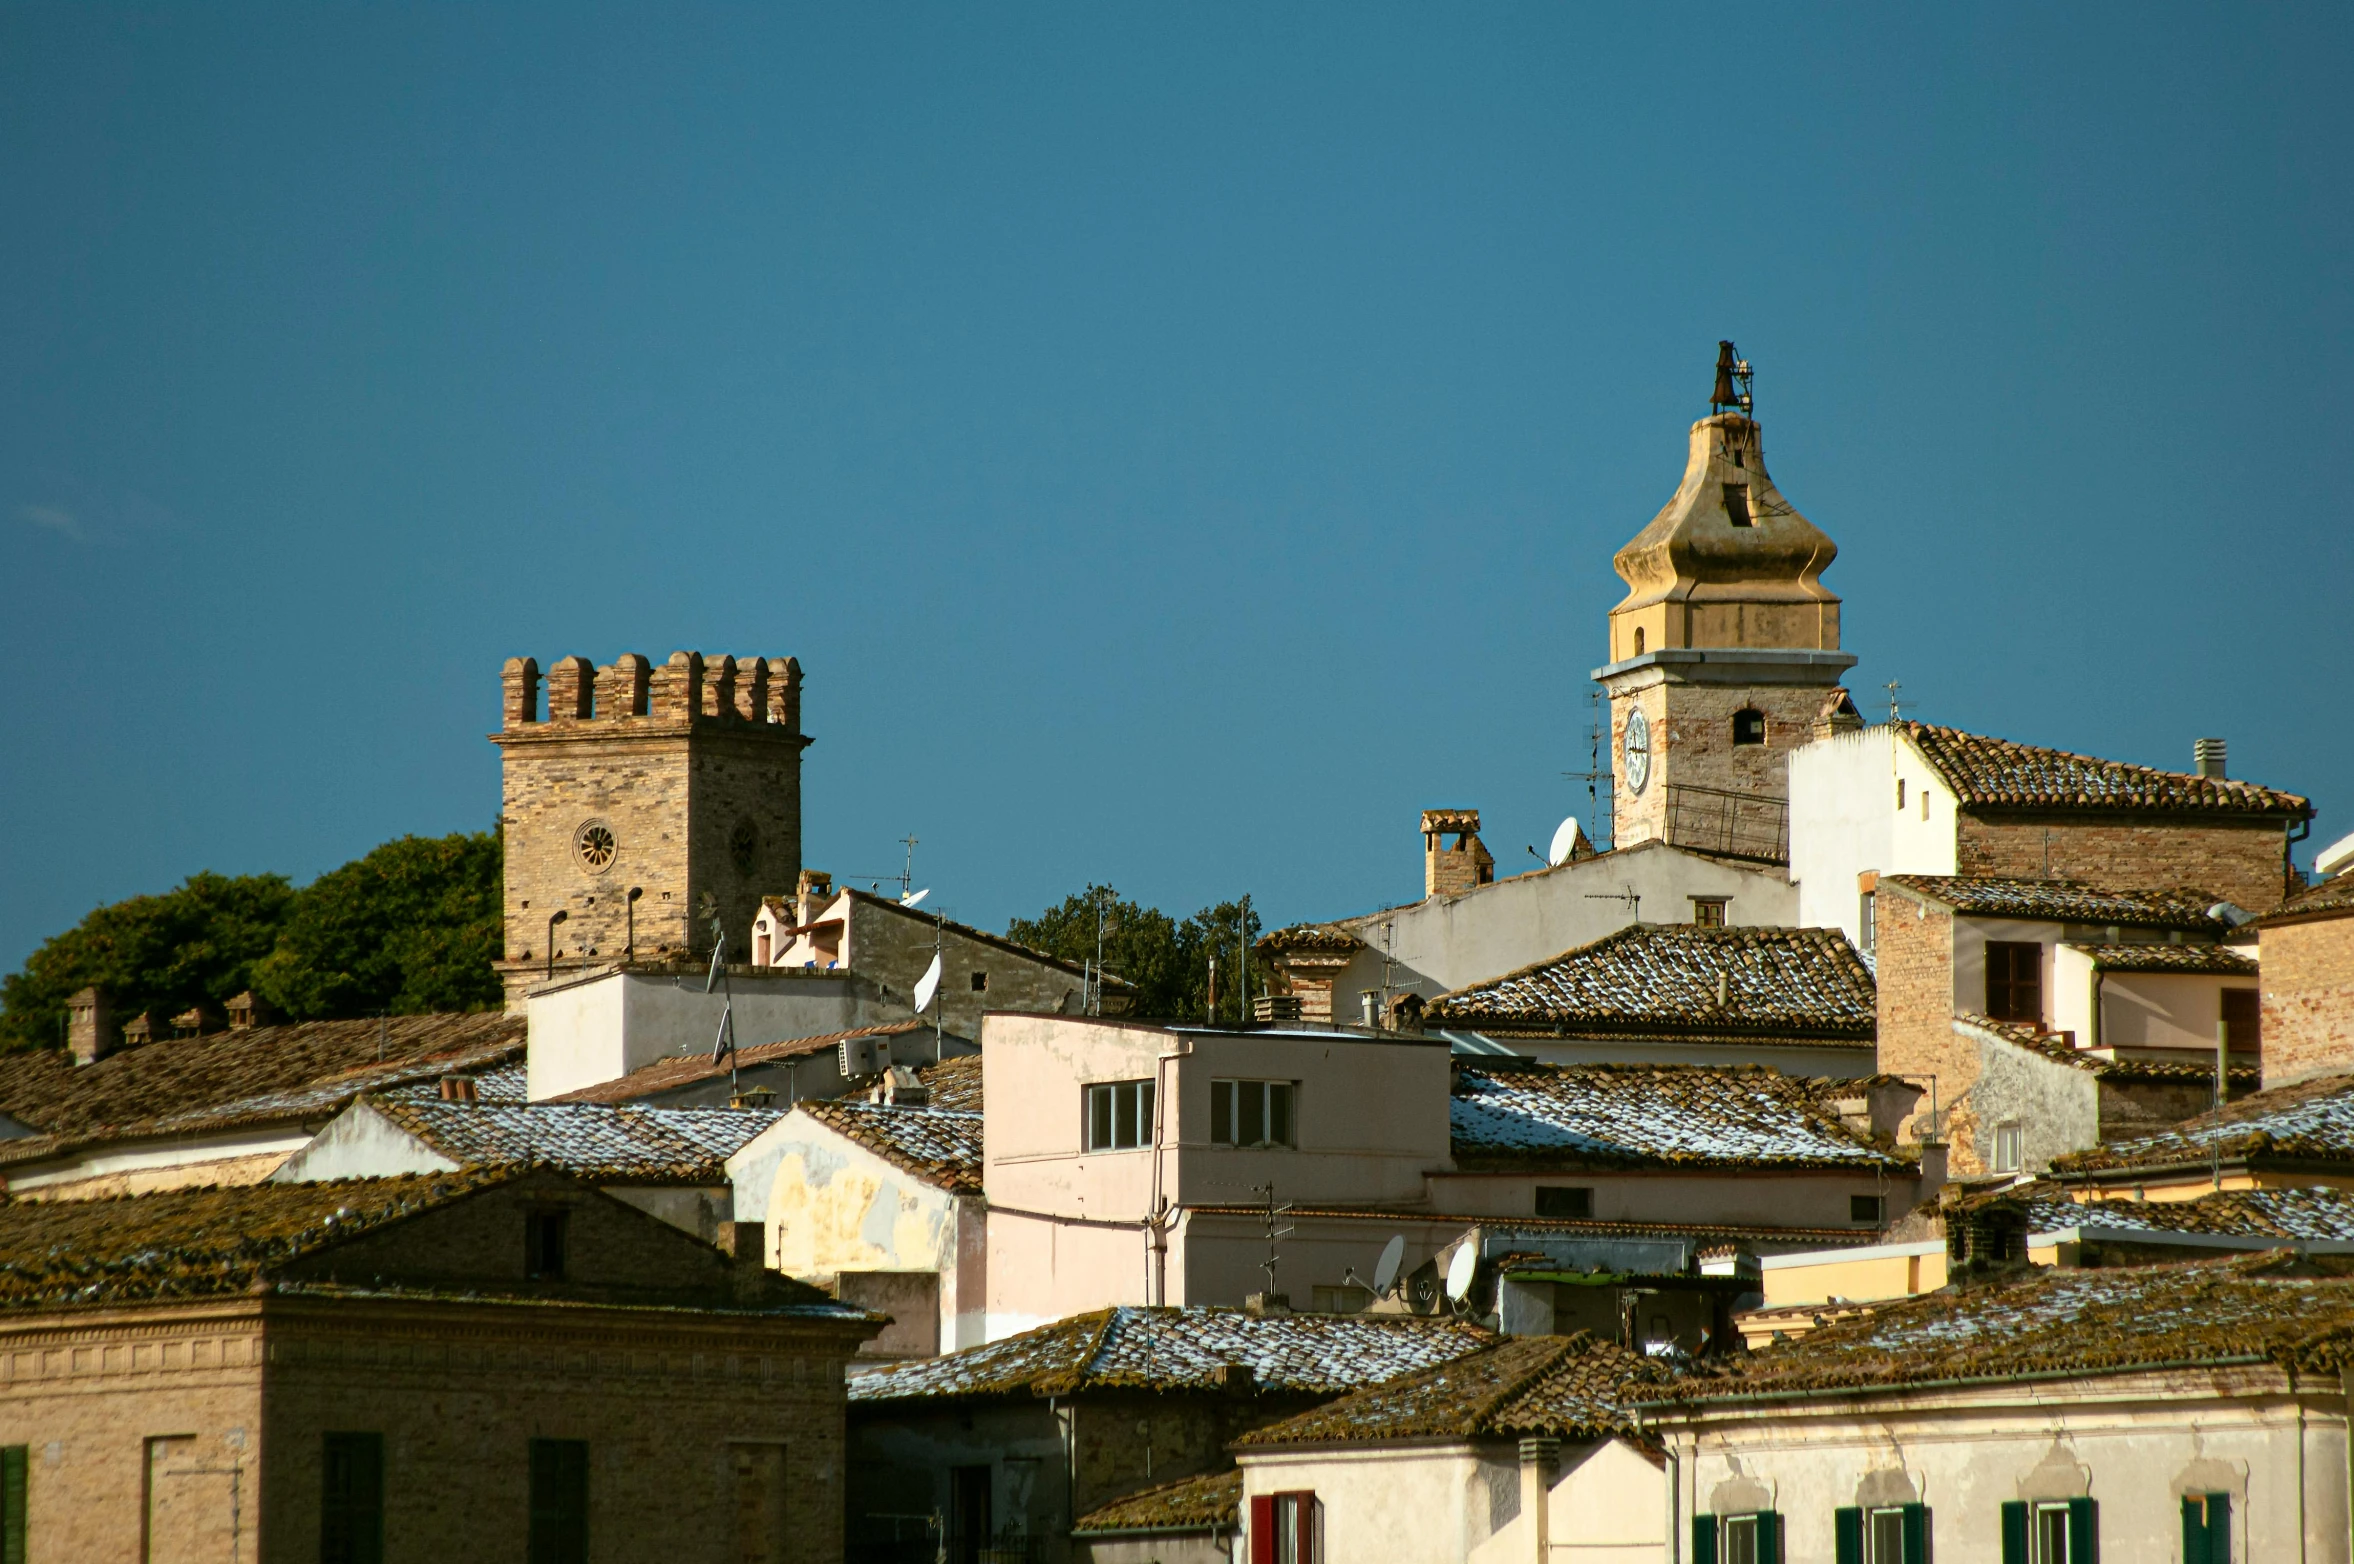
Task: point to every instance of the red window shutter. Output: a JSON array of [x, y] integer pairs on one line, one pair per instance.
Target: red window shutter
[[1306, 1553], [1263, 1529]]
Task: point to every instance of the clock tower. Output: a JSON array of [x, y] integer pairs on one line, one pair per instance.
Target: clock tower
[[1724, 654]]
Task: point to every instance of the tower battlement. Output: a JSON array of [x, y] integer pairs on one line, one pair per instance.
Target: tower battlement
[[690, 686]]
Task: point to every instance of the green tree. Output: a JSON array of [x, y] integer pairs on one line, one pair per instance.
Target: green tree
[[1166, 960], [412, 928], [198, 942]]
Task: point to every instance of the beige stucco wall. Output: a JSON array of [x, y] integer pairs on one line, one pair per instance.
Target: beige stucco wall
[[2139, 1009], [1844, 821], [600, 1027], [1880, 1271], [1734, 1197]]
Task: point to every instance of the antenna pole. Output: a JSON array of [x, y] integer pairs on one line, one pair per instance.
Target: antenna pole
[[1242, 961], [907, 874], [939, 954]]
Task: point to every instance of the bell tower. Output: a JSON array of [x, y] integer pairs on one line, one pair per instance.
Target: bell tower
[[1724, 654]]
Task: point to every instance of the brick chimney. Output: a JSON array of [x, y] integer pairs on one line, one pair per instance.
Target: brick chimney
[[1450, 871], [812, 893], [746, 1243], [249, 1010], [90, 1032]]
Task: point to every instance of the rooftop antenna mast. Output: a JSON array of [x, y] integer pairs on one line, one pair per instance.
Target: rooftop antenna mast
[[1596, 773], [1896, 708], [1274, 1212], [723, 1044], [907, 874]]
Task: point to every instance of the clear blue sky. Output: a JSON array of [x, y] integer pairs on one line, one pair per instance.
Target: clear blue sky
[[1180, 443]]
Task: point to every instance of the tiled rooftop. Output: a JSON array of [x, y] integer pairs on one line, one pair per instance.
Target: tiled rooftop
[[1317, 937], [2309, 1123], [2269, 1306], [1130, 1348], [1633, 1115], [1997, 773], [1208, 1503], [1782, 983], [641, 1145], [2329, 898], [1562, 1387], [2317, 1215], [680, 1070], [2212, 960], [2196, 1065], [2065, 901], [942, 1148], [955, 1084]]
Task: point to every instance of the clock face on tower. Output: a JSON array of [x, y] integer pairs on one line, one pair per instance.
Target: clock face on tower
[[1635, 751]]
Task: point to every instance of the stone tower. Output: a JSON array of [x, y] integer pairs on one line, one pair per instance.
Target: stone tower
[[638, 790], [1724, 654]]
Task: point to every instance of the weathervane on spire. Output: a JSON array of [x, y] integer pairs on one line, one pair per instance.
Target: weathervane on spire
[[1733, 383]]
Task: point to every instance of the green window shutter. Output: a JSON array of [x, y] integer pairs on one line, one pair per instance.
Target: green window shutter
[[2206, 1528], [2084, 1532], [1916, 1534], [1769, 1537], [12, 1505], [1847, 1536], [2194, 1530], [1703, 1539], [2014, 1531], [2218, 1528]]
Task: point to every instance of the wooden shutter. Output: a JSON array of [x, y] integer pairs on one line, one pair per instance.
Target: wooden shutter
[[1703, 1540], [2194, 1530], [1847, 1536], [2084, 1531], [1304, 1543], [2014, 1532], [1769, 1537], [12, 1505], [2218, 1529], [1263, 1528], [1916, 1534]]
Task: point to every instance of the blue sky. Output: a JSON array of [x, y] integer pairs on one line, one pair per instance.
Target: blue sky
[[1180, 443]]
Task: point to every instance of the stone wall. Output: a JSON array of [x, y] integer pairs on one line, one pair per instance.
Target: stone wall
[[2308, 987], [2236, 861], [1913, 952], [1692, 745]]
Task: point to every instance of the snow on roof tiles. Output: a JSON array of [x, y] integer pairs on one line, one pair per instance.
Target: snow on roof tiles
[[942, 1148], [1605, 1115], [2063, 901], [2309, 1122], [1563, 1387], [684, 1145]]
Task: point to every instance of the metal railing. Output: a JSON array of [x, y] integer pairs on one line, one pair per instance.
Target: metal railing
[[1755, 826]]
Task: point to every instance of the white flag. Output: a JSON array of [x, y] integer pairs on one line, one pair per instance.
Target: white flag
[[927, 986]]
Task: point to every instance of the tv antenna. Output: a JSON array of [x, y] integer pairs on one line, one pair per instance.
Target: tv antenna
[[1629, 896], [907, 874], [723, 1042], [1734, 382], [1896, 707], [1274, 1212], [1597, 772]]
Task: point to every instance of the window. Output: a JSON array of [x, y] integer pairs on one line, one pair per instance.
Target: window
[[12, 1503], [1924, 803], [1900, 792], [2243, 1018], [1749, 726], [968, 1514], [1866, 1208], [351, 1500], [1119, 1115], [1638, 640], [1343, 1299], [2014, 980], [1708, 912], [2206, 1528], [1737, 1539], [1863, 918], [1737, 504], [1284, 1529], [1884, 1534], [1252, 1113], [2008, 1147], [980, 982], [543, 1245], [2051, 1531], [1575, 1203], [559, 1502]]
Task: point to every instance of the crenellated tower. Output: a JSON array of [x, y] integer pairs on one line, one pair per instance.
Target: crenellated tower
[[1724, 654], [632, 791]]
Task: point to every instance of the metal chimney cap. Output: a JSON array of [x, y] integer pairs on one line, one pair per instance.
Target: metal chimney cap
[[2208, 756]]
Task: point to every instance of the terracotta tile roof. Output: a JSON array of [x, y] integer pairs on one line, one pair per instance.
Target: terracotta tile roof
[[2316, 1215], [1131, 1348], [2196, 1065], [1538, 1227], [592, 1140], [1562, 1387], [1783, 983], [183, 1076], [2308, 1124], [1208, 1503], [680, 1070], [2330, 898], [955, 1084], [1990, 773], [2211, 959], [1318, 937], [941, 1148], [1531, 1115], [2250, 1307], [2065, 901]]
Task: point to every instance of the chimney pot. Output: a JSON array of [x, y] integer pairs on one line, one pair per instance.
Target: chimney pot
[[90, 1032], [2207, 754], [460, 1088]]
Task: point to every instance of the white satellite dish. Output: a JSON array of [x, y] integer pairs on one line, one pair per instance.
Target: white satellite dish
[[927, 986], [1385, 1272], [1461, 1270], [1566, 838], [912, 897]]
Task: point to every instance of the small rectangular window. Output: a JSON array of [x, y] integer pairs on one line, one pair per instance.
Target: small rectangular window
[[1863, 918], [1570, 1202], [1749, 727], [351, 1500], [1900, 792], [2009, 1148], [1866, 1208], [1737, 505], [1119, 1115], [980, 982], [2014, 980], [1252, 1113], [559, 1502], [1740, 1540], [2243, 1018], [543, 1245], [1708, 912]]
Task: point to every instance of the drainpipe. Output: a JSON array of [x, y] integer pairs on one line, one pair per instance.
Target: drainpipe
[[2346, 1383], [2099, 976], [1156, 1222], [1675, 1494], [1540, 1460]]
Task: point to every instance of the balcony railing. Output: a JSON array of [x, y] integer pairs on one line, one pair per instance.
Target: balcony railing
[[1755, 826]]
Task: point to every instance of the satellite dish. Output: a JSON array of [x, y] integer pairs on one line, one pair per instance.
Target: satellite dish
[[927, 986], [1566, 840], [1393, 1255], [1461, 1270], [912, 897]]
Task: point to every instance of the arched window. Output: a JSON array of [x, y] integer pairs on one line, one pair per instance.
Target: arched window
[[1638, 640], [1749, 726]]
